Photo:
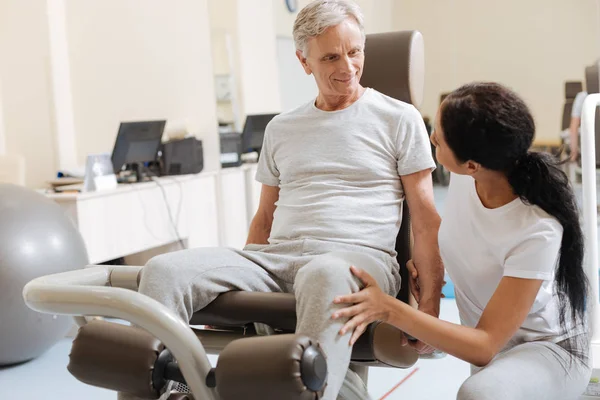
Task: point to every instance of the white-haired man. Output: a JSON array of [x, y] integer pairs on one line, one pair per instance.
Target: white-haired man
[[335, 172]]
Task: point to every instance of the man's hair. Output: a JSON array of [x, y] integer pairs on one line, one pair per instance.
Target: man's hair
[[319, 15]]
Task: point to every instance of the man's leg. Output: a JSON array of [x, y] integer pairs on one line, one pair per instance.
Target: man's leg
[[187, 281], [317, 284]]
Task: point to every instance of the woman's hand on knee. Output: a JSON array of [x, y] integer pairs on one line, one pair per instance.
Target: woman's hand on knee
[[369, 305]]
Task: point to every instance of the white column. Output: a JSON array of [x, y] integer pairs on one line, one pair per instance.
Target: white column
[[259, 73], [60, 74], [590, 219]]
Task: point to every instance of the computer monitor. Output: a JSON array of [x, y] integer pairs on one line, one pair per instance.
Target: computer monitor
[[254, 132], [137, 143]]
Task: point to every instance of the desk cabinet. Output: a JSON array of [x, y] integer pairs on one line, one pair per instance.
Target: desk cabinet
[[135, 218]]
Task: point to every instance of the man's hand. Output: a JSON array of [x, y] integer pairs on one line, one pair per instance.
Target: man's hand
[[418, 188], [415, 289], [413, 274], [428, 264]]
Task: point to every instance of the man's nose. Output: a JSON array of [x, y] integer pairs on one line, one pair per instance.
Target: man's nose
[[347, 66]]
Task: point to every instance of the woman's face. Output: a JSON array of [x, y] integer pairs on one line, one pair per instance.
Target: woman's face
[[443, 153]]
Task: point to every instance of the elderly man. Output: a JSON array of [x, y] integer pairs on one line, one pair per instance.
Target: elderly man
[[335, 172]]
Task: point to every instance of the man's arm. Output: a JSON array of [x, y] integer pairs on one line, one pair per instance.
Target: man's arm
[[260, 228], [418, 189]]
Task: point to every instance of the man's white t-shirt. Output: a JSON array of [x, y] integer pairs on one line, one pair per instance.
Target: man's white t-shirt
[[479, 246], [339, 171]]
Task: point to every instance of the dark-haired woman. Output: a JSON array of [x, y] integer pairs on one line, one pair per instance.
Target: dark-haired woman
[[512, 243]]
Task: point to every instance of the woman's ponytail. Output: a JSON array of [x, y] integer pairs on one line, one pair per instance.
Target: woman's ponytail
[[537, 180]]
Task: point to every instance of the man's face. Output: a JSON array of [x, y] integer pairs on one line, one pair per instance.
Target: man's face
[[336, 59]]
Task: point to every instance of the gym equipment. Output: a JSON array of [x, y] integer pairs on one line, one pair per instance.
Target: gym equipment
[[260, 356], [589, 125], [36, 239]]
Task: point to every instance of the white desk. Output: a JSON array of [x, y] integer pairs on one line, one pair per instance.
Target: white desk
[[238, 197], [134, 218], [208, 209]]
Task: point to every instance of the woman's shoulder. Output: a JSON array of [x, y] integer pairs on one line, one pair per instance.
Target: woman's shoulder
[[538, 234], [537, 220]]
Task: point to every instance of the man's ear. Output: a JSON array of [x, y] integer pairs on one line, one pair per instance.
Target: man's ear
[[305, 65]]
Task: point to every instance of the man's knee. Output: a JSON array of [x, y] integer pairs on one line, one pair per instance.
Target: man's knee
[[158, 267], [332, 270], [321, 277], [477, 388]]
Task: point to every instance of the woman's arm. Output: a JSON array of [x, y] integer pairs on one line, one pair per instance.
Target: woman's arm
[[504, 314]]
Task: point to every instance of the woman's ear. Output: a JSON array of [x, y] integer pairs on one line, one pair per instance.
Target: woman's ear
[[472, 167]]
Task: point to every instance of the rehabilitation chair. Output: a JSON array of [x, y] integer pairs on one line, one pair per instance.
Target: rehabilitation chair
[[260, 356]]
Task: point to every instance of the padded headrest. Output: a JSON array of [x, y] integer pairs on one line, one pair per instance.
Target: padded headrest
[[592, 83], [572, 88], [567, 110], [395, 65]]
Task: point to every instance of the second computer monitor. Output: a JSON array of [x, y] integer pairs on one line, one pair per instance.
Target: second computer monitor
[[254, 132]]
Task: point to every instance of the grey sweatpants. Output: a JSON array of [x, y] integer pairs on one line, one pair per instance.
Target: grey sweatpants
[[529, 371], [315, 271]]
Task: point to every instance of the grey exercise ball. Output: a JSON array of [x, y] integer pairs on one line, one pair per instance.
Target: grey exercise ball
[[37, 238]]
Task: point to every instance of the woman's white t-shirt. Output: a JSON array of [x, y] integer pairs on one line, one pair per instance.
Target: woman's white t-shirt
[[479, 246]]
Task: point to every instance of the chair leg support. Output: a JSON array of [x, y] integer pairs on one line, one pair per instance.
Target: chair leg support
[[354, 388], [362, 371], [263, 329]]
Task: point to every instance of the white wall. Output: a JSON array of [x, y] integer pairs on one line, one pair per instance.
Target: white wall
[[249, 26], [139, 60], [296, 87], [533, 46], [26, 87], [2, 134], [72, 70], [60, 72], [226, 57]]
